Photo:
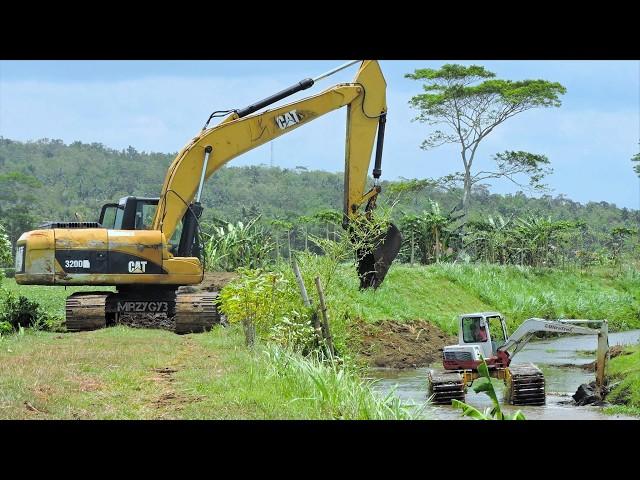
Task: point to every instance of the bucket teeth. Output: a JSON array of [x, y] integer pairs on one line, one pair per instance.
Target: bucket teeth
[[525, 385], [445, 386]]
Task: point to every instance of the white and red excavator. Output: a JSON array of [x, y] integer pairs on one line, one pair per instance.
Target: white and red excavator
[[483, 336]]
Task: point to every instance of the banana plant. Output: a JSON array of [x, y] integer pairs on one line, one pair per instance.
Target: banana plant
[[485, 386]]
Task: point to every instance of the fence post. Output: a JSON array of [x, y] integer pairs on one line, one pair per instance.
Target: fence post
[[315, 321], [325, 317]]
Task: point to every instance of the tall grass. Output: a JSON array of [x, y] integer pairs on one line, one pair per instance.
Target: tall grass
[[625, 369], [328, 386], [524, 292], [231, 246]]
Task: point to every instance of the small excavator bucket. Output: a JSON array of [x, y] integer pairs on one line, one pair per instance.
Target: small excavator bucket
[[374, 264]]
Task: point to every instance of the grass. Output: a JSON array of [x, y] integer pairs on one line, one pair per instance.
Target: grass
[[123, 373], [50, 298], [626, 370], [523, 292]]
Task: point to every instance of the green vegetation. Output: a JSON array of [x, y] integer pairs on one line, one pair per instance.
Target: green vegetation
[[5, 249], [484, 385], [524, 292], [80, 178], [50, 299], [232, 246], [110, 373], [626, 395], [123, 373]]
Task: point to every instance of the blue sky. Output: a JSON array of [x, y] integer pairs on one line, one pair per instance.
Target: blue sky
[[159, 106]]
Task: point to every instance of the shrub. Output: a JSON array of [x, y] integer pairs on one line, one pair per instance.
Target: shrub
[[19, 311], [5, 249]]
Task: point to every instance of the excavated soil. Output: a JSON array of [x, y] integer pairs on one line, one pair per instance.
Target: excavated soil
[[212, 282], [401, 345]]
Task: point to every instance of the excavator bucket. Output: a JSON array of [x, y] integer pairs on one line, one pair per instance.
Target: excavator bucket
[[374, 263]]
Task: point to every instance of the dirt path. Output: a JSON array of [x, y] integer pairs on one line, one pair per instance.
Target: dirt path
[[401, 345], [170, 401]]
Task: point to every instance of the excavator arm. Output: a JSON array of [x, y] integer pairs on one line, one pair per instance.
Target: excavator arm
[[235, 135], [242, 131], [525, 332]]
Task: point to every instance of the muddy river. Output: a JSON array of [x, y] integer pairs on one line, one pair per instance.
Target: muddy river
[[558, 359]]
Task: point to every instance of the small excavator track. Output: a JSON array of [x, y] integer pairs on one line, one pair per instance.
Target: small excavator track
[[525, 385], [86, 311], [445, 386]]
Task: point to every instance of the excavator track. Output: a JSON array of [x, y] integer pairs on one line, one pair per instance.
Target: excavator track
[[86, 311], [186, 312], [196, 312], [525, 385], [445, 386]]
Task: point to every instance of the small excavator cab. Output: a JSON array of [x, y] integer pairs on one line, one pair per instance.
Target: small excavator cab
[[487, 330]]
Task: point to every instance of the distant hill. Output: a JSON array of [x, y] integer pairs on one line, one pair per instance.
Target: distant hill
[[80, 177]]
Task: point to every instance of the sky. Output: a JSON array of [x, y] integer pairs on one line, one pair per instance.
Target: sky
[[160, 105]]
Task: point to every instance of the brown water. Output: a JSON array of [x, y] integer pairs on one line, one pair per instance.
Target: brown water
[[557, 358]]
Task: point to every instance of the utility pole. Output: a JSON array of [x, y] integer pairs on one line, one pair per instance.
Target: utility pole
[[271, 153]]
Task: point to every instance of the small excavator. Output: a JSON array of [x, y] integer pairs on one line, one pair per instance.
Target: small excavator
[[483, 337], [148, 248]]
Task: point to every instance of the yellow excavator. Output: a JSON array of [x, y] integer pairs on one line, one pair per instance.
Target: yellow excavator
[[149, 247]]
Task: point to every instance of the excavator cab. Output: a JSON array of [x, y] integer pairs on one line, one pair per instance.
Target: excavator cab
[[137, 213]]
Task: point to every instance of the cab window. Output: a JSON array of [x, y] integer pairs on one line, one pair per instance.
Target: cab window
[[144, 215], [473, 331], [109, 217]]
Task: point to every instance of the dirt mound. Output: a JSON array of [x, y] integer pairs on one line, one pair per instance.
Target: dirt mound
[[212, 282], [401, 345]]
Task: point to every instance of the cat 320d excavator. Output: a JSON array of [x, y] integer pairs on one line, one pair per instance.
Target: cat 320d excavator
[[149, 247]]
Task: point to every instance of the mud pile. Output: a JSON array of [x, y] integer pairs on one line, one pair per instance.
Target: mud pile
[[212, 282], [401, 345], [586, 395]]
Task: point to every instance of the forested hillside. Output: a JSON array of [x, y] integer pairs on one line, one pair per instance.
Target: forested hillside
[[48, 180]]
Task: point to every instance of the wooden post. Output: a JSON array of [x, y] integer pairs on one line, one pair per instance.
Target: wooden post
[[602, 357], [315, 321], [325, 318], [303, 289], [289, 243]]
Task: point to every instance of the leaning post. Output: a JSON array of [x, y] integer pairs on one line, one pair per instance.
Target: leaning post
[[602, 357]]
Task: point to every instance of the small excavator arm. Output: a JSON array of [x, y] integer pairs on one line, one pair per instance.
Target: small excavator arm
[[239, 132]]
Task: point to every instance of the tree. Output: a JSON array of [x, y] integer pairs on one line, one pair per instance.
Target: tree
[[636, 158], [470, 111], [18, 203], [5, 249]]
